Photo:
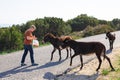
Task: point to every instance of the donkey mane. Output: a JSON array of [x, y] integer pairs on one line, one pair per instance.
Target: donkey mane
[[50, 35]]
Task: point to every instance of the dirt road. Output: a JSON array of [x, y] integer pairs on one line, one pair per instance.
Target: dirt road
[[10, 68]]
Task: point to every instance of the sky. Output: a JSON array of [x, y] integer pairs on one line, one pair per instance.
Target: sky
[[21, 11]]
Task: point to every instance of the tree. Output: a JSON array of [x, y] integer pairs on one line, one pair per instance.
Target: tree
[[115, 23], [99, 29], [102, 22], [81, 22], [57, 26], [16, 38], [10, 39]]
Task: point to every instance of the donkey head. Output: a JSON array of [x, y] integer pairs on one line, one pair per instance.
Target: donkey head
[[48, 37], [66, 42]]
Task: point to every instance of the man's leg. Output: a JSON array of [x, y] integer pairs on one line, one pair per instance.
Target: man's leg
[[24, 55], [32, 56], [31, 53]]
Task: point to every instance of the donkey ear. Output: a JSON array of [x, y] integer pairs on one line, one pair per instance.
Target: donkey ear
[[66, 40]]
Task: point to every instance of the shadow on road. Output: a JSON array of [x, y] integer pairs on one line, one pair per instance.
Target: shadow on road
[[28, 68], [50, 64], [73, 76], [49, 76], [108, 51], [13, 71]]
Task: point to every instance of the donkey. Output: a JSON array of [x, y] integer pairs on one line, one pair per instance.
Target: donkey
[[111, 38], [84, 48], [57, 43]]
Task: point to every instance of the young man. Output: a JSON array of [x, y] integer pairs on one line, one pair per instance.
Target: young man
[[28, 37]]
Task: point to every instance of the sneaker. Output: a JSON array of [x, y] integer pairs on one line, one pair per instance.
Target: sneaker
[[34, 64], [22, 64]]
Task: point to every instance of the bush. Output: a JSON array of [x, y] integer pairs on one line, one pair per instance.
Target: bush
[[89, 31], [10, 39]]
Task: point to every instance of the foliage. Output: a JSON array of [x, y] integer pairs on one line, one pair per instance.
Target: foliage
[[89, 31], [11, 38], [105, 72], [49, 24], [103, 22], [115, 23], [57, 26], [82, 21], [76, 35], [113, 75]]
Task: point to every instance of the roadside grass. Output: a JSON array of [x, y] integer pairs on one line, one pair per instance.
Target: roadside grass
[[7, 51], [105, 72], [113, 75]]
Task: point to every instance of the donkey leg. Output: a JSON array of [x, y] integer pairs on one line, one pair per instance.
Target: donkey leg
[[70, 52], [111, 45], [108, 59], [52, 54], [100, 61], [71, 59], [67, 53], [59, 54], [81, 59]]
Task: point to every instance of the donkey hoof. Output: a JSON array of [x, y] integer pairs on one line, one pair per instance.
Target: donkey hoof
[[80, 68], [97, 70], [66, 58], [59, 59], [50, 60], [112, 69]]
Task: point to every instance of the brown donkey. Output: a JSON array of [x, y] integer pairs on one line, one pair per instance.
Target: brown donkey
[[84, 48], [57, 43]]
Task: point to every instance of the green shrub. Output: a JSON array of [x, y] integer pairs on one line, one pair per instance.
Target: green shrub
[[89, 31], [105, 72]]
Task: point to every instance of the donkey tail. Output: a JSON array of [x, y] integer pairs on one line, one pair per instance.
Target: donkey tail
[[104, 53]]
